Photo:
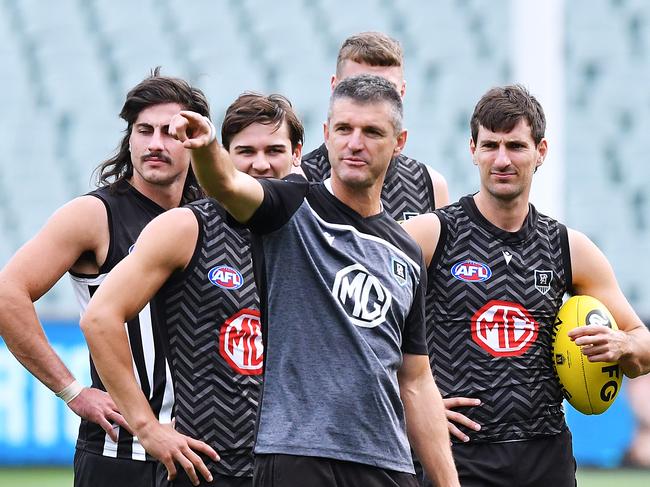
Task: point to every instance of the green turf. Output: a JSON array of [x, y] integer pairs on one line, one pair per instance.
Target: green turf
[[613, 478], [35, 477], [62, 477]]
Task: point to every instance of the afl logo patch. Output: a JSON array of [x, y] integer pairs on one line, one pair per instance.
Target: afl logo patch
[[471, 271], [226, 277]]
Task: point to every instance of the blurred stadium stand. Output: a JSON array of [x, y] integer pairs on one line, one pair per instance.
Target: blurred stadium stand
[[67, 66]]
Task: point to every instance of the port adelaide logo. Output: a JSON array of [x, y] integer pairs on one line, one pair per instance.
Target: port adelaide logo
[[361, 295], [471, 271], [226, 277], [543, 280]]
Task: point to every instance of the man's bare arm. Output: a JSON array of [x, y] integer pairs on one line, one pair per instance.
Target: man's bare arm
[[239, 193], [426, 423], [165, 245], [593, 276], [78, 228]]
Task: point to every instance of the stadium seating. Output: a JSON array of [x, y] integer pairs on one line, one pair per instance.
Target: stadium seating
[[67, 65]]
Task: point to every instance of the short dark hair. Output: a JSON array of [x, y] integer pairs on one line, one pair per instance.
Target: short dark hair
[[153, 90], [250, 108], [501, 108], [371, 48], [369, 88]]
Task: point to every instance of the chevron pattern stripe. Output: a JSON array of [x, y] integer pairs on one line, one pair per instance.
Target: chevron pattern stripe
[[520, 396], [214, 403], [407, 189]]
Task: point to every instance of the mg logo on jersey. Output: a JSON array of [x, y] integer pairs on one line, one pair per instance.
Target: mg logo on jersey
[[240, 342], [471, 271], [504, 329], [362, 296], [226, 277]]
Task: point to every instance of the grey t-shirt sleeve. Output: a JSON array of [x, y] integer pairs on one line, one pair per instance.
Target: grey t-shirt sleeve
[[414, 335], [282, 198]]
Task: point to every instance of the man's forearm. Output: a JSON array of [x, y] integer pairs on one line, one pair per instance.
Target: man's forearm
[[25, 338], [428, 433]]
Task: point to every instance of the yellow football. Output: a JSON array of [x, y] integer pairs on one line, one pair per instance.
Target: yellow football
[[590, 387]]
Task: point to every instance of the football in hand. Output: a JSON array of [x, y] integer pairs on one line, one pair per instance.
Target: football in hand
[[590, 387]]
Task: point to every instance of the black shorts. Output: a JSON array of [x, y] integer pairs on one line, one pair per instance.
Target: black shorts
[[92, 470], [182, 480], [539, 462], [300, 471]]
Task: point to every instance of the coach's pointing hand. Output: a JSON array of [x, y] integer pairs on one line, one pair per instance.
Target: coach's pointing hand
[[192, 129], [171, 447]]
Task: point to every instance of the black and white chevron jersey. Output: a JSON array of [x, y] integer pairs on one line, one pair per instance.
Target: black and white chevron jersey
[[210, 323], [128, 213], [491, 303], [407, 190]]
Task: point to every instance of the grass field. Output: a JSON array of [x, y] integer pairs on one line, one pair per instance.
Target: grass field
[[61, 477]]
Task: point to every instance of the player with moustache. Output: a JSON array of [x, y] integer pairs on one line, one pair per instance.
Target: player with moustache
[[346, 381], [193, 267], [498, 270], [410, 187], [86, 238]]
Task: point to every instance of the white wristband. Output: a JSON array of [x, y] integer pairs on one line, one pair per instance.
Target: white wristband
[[69, 392], [213, 130]]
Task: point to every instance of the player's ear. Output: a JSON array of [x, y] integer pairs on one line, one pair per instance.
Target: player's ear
[[333, 82], [402, 90], [472, 150], [542, 150], [296, 156], [326, 131], [401, 142]]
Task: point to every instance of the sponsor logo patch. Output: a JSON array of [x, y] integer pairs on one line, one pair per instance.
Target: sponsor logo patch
[[471, 271], [361, 295], [543, 281], [226, 277], [504, 329], [240, 342], [399, 271]]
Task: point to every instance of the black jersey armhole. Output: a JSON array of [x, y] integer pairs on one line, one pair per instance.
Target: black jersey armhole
[[111, 236], [444, 231], [181, 274], [566, 258], [429, 183]]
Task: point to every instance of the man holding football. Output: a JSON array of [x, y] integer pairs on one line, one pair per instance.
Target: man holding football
[[497, 272]]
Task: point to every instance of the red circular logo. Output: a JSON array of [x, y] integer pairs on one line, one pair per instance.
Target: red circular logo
[[504, 329], [240, 342]]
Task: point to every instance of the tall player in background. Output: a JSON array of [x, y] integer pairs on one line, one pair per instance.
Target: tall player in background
[[489, 336], [87, 237], [411, 187], [195, 267]]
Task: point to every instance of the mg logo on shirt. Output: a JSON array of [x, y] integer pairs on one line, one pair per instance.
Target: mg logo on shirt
[[362, 296], [504, 329], [240, 342]]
